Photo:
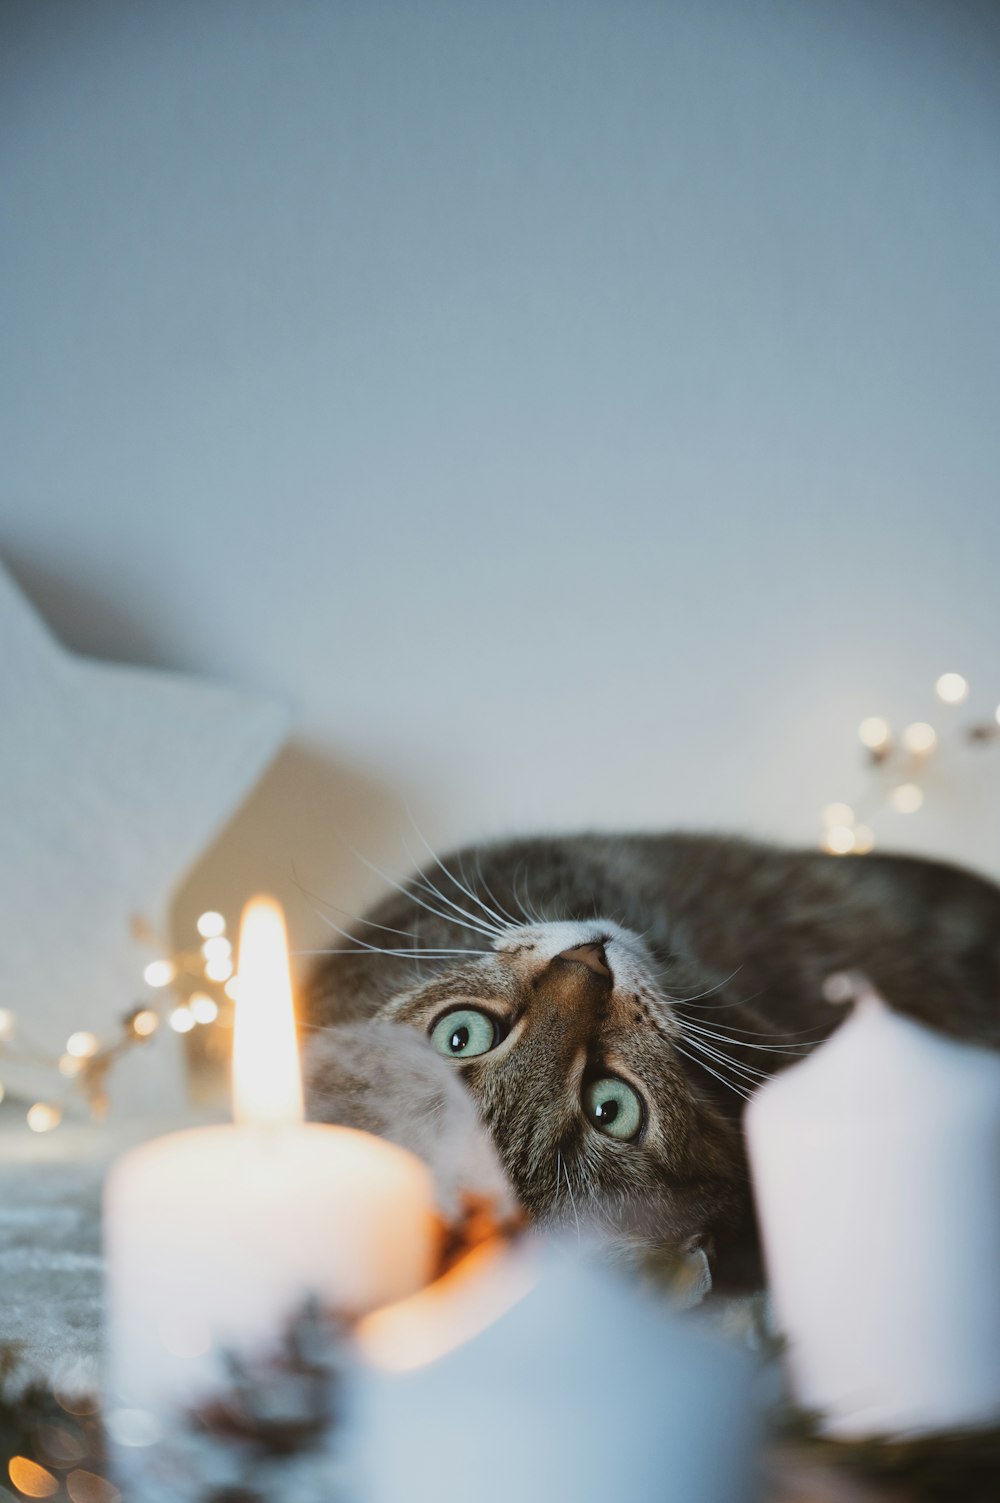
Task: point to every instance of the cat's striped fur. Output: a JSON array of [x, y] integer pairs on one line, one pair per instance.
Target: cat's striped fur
[[717, 949]]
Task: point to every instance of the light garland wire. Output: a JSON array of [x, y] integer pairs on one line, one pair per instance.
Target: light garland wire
[[901, 761], [192, 989]]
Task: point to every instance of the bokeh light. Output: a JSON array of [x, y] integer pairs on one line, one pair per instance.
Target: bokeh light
[[906, 798], [159, 973], [952, 688]]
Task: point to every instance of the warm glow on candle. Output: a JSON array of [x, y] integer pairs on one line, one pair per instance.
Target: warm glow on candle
[[464, 1302], [267, 1083]]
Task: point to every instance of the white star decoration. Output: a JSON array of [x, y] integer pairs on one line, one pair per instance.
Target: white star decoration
[[112, 779]]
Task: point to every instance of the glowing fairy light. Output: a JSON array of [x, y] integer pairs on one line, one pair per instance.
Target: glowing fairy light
[[837, 814], [42, 1117], [232, 988], [919, 738], [906, 798], [997, 715], [81, 1045], [874, 732], [81, 1065], [864, 840], [204, 1009], [839, 840], [218, 948], [952, 688], [159, 973]]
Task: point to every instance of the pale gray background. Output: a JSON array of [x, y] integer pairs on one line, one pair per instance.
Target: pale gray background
[[585, 412]]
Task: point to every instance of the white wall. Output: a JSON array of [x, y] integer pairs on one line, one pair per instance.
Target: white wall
[[587, 412]]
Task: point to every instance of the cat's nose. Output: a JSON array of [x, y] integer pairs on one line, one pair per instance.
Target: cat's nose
[[591, 955]]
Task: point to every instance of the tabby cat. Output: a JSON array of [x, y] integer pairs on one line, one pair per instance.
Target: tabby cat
[[611, 1002]]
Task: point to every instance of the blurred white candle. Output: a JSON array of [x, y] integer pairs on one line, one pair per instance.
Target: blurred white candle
[[540, 1377], [876, 1165], [216, 1236]]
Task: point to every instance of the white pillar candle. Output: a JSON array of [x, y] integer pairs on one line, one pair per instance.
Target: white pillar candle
[[216, 1236], [876, 1165], [542, 1377]]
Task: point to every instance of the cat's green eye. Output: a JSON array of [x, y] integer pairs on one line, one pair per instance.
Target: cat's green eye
[[464, 1033], [613, 1107]]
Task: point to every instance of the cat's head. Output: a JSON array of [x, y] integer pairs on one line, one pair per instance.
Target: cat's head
[[565, 1038]]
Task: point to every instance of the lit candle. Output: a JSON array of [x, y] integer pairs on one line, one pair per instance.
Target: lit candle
[[216, 1236], [533, 1377], [876, 1163]]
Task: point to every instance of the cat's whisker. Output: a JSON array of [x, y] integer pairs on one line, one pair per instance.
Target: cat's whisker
[[363, 949], [821, 1030], [572, 1197], [513, 922], [710, 991], [503, 918], [725, 1038], [525, 905], [369, 923], [498, 925], [356, 939], [407, 892], [418, 962], [703, 1066], [749, 1072], [472, 921]]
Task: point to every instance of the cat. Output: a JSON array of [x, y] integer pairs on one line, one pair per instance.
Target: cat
[[611, 1002]]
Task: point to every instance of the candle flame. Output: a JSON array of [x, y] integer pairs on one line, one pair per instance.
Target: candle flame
[[267, 1083]]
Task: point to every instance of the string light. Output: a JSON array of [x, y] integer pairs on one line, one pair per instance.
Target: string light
[[204, 1009], [901, 766], [218, 948], [159, 973], [144, 1022], [920, 738], [874, 732], [81, 1045], [952, 688], [232, 988], [85, 1061], [906, 798], [42, 1117]]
